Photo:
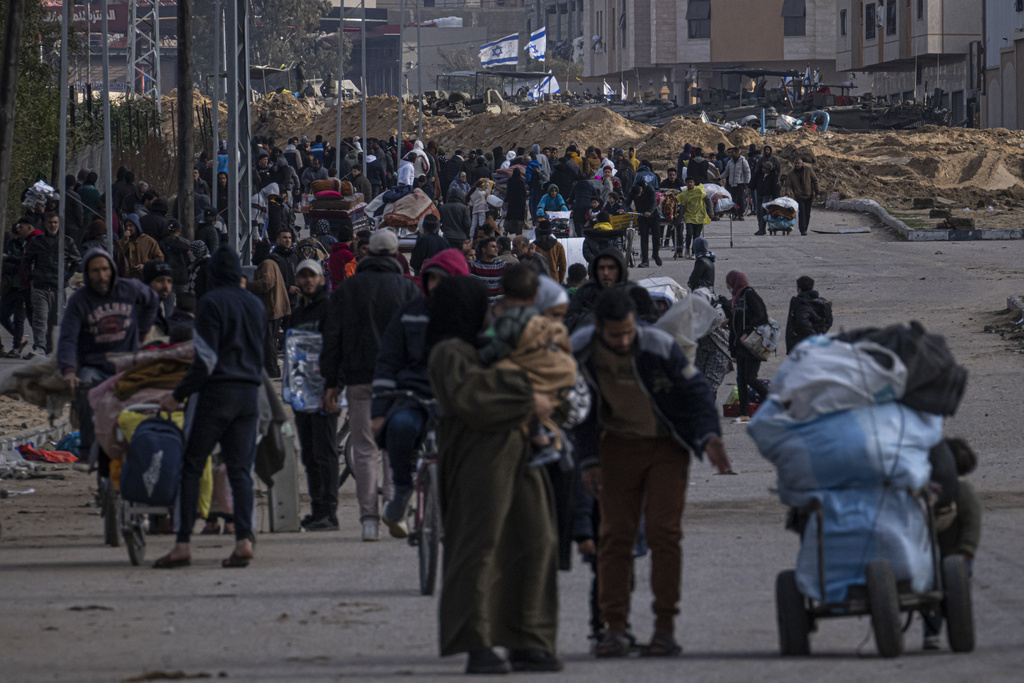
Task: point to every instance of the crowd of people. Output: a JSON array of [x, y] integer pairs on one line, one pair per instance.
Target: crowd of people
[[566, 416]]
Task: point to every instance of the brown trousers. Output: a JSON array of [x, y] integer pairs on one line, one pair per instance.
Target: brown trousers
[[648, 475]]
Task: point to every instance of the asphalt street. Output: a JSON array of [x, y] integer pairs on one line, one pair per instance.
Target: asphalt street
[[320, 607]]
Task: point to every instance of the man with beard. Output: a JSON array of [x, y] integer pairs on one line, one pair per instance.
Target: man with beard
[[108, 315]]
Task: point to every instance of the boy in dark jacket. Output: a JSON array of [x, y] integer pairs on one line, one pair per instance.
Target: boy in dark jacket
[[428, 243], [809, 314], [318, 430]]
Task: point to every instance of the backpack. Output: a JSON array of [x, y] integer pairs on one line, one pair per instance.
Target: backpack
[[152, 467], [823, 309]]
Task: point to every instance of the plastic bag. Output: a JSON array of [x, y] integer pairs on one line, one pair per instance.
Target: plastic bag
[[302, 385], [823, 375], [687, 321]]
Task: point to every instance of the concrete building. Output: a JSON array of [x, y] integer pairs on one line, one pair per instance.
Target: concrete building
[[1002, 104], [910, 49], [680, 44]]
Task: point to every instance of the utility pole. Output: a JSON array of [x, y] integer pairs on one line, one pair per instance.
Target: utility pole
[[419, 65], [8, 93], [62, 151], [216, 103], [338, 151], [401, 75], [107, 164], [362, 77], [186, 136]]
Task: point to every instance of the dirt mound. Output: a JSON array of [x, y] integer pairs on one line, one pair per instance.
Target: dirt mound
[[664, 144], [969, 167], [555, 125], [744, 137], [283, 116]]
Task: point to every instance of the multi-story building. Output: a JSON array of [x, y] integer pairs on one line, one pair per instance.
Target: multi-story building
[[914, 50], [1002, 103], [680, 44]]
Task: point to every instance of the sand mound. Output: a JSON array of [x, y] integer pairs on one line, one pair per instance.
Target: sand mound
[[283, 116]]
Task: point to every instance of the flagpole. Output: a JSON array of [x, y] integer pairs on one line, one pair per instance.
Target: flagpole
[[419, 65]]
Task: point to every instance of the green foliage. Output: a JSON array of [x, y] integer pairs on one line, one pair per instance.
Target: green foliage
[[37, 119]]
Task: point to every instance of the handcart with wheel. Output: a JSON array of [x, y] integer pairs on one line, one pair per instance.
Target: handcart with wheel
[[135, 508]]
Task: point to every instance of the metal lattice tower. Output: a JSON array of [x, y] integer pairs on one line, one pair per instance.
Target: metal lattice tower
[[144, 49]]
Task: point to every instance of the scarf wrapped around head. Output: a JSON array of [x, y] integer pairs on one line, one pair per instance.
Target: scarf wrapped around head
[[738, 283], [550, 294], [199, 249]]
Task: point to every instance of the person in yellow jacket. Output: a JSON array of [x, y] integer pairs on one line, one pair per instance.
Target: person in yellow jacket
[[696, 208], [633, 160]]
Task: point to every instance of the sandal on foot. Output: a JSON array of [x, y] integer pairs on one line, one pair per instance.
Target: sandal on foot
[[235, 561], [209, 530], [167, 562], [662, 645]]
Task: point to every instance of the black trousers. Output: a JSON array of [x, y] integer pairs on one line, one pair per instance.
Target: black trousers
[[227, 414], [747, 367], [270, 363], [650, 227], [693, 231], [804, 217], [318, 438]]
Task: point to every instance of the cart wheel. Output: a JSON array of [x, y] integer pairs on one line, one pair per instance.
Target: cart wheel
[[884, 602], [794, 624], [430, 532], [956, 603], [135, 540], [111, 531]]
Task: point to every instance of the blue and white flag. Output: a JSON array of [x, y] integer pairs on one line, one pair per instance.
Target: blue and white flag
[[609, 91], [502, 51], [538, 45], [549, 86]]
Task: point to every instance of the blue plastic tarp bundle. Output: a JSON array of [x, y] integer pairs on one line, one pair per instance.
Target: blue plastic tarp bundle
[[862, 466]]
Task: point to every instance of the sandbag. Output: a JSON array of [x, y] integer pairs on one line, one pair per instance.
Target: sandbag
[[822, 375]]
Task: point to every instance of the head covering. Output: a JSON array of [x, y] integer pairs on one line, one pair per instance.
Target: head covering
[[430, 223], [448, 263], [225, 268], [154, 269], [457, 309], [309, 264], [93, 253], [700, 249], [510, 156], [550, 294], [134, 219], [322, 227], [199, 249], [384, 242], [544, 239], [737, 282]]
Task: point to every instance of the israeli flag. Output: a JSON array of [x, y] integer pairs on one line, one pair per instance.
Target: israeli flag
[[609, 91], [538, 45], [502, 51], [622, 87], [549, 86]]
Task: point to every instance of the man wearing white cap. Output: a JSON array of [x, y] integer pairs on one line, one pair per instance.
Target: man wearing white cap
[[317, 430], [358, 314]]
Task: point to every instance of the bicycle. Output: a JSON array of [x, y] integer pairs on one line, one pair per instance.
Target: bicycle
[[426, 530]]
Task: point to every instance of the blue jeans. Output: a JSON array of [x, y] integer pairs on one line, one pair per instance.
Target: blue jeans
[[402, 433], [88, 378]]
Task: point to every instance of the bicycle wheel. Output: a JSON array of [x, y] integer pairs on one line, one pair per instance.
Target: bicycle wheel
[[430, 531], [135, 540]]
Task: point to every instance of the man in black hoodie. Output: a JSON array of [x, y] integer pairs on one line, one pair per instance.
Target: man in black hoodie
[[39, 266], [456, 218], [223, 380], [108, 315], [360, 311], [318, 430], [645, 201], [608, 269]]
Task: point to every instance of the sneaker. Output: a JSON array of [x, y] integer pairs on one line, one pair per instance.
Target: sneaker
[[612, 645], [932, 642], [30, 355], [657, 259], [306, 520], [534, 660], [742, 419], [371, 530], [760, 232], [644, 264], [399, 529], [322, 524], [396, 509], [487, 662]]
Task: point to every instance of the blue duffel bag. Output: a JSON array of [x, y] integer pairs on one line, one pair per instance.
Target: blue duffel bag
[[152, 468]]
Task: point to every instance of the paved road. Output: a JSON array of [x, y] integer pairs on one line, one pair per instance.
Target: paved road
[[324, 607]]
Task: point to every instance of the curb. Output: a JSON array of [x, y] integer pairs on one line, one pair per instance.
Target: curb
[[1015, 303], [910, 234]]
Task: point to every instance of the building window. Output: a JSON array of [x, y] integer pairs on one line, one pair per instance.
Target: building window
[[869, 21], [890, 18], [920, 9], [842, 22], [698, 19], [794, 18]]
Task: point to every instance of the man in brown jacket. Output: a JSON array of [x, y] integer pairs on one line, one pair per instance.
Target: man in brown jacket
[[136, 248], [804, 185]]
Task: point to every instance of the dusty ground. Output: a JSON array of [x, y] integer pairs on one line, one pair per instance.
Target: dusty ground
[[325, 607]]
